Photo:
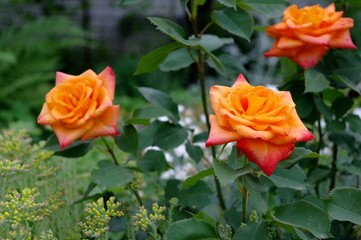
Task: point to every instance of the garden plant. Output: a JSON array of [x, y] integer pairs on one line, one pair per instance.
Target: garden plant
[[234, 159]]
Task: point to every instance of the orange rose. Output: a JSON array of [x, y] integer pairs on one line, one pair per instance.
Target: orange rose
[[81, 106], [305, 34], [263, 122]]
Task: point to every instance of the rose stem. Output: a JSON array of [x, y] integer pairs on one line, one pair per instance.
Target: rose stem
[[200, 70], [243, 189], [319, 146], [333, 166], [110, 150]]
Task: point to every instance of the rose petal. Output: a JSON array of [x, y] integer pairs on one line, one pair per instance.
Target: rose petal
[[45, 118], [68, 135], [60, 77], [298, 130], [104, 125], [219, 135], [240, 81], [330, 8], [108, 78], [309, 56], [265, 154], [274, 51], [215, 94], [342, 39], [318, 40], [286, 43], [103, 102]]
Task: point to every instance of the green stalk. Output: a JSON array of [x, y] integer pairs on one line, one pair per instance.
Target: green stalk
[[155, 231], [244, 191], [110, 150], [333, 166], [201, 75]]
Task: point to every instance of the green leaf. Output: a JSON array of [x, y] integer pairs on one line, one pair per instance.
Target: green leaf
[[200, 137], [150, 112], [173, 30], [341, 105], [326, 111], [213, 42], [335, 125], [354, 122], [196, 196], [169, 136], [160, 99], [195, 152], [354, 167], [228, 175], [176, 60], [258, 199], [306, 216], [190, 229], [252, 231], [216, 64], [228, 3], [343, 204], [318, 173], [128, 139], [292, 178], [346, 64], [109, 175], [151, 61], [232, 66], [347, 82], [344, 139], [298, 154], [315, 81], [202, 216], [146, 135], [238, 22], [195, 178], [267, 8], [288, 67], [153, 161], [74, 150]]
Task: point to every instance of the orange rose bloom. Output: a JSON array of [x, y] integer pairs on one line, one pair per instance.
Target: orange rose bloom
[[305, 34], [81, 106], [263, 122]]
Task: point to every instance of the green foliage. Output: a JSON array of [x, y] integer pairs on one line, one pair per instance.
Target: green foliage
[[304, 215], [342, 210], [238, 22], [160, 155], [29, 58], [190, 229], [109, 175]]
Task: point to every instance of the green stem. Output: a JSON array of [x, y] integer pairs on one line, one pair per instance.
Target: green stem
[[244, 191], [333, 166], [110, 150], [319, 146], [320, 134], [201, 75], [155, 231], [136, 194]]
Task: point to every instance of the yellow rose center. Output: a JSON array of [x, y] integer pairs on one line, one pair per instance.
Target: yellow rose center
[[311, 16], [254, 107]]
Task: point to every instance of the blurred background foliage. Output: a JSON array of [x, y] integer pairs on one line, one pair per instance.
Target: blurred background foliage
[[40, 37]]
